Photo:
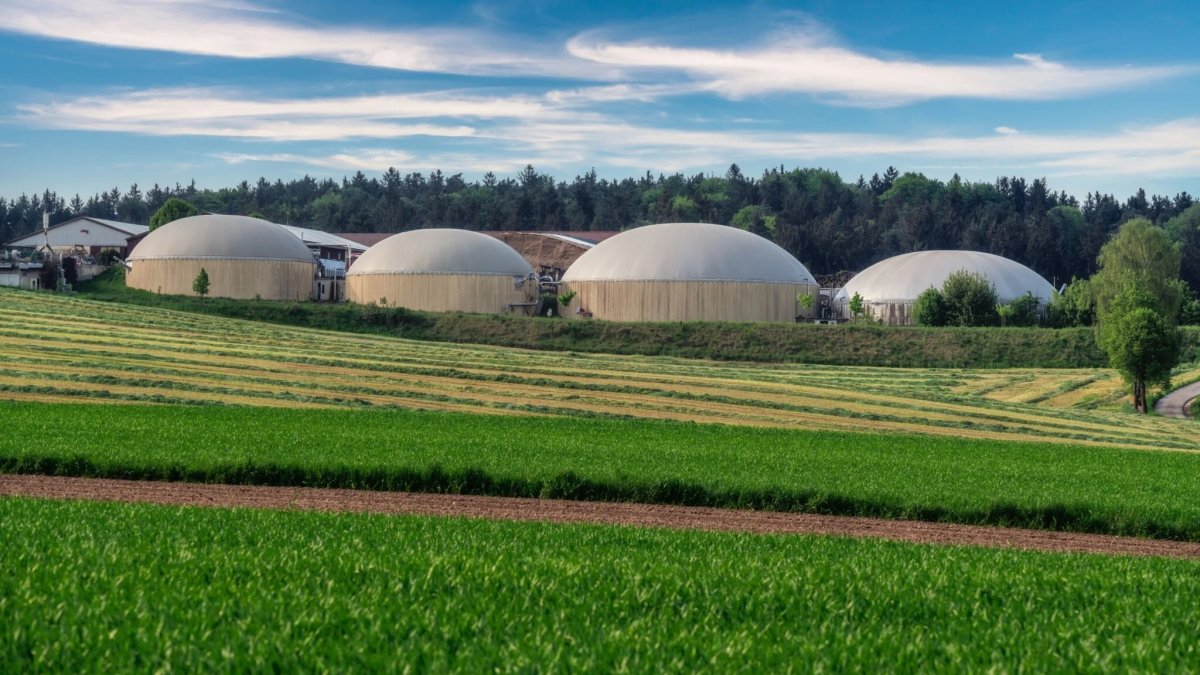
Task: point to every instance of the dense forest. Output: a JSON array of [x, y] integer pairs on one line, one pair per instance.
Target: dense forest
[[828, 223]]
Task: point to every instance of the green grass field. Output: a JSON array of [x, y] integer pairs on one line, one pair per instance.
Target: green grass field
[[54, 348], [931, 478], [767, 342], [94, 587]]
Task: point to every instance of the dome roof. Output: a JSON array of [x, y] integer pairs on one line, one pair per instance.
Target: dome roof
[[688, 252], [441, 251], [904, 277], [221, 238]]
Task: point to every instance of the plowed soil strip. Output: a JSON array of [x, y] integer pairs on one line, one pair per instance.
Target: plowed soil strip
[[561, 511]]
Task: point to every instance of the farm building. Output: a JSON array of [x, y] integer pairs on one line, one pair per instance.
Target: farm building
[[890, 288], [82, 234], [688, 272], [244, 258], [443, 270], [20, 274]]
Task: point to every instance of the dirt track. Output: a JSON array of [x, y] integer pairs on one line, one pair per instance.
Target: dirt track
[[559, 511], [1177, 403]]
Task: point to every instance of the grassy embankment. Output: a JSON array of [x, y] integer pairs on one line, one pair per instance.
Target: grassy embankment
[[109, 587], [58, 349], [865, 345], [899, 476]]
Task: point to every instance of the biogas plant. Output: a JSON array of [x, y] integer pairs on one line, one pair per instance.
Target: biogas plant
[[661, 272]]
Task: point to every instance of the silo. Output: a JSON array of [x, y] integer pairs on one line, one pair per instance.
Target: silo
[[243, 257], [444, 270], [688, 272], [889, 288]]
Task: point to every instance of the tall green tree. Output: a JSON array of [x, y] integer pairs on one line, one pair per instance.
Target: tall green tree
[[1144, 255], [173, 209], [1137, 294], [1185, 230], [1142, 344]]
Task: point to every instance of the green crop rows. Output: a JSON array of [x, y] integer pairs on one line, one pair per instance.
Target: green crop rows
[[94, 587], [66, 349], [1049, 486]]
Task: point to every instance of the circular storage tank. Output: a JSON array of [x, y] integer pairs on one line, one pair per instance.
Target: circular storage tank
[[244, 258], [688, 272], [890, 288], [443, 270]]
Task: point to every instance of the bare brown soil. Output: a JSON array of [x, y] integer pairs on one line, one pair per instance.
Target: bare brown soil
[[560, 511]]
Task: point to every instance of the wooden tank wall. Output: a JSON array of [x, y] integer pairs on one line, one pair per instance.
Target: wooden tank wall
[[892, 313], [489, 294], [239, 279], [689, 300]]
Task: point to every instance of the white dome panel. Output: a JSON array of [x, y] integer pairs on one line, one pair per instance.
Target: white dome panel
[[902, 278], [688, 252], [217, 237], [441, 251]]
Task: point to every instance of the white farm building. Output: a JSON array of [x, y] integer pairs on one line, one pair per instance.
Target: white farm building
[[82, 234], [890, 288], [243, 257], [443, 270], [688, 272]]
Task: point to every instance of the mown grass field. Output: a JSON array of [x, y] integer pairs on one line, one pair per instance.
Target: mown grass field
[[857, 344], [93, 587], [1092, 489], [56, 349]]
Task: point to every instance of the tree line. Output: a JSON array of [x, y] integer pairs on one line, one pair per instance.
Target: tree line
[[828, 223]]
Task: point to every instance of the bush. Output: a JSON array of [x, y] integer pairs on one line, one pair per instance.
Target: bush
[[930, 308], [970, 300], [1189, 309], [1024, 311], [1073, 307]]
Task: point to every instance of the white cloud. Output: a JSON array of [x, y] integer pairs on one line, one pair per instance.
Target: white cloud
[[1171, 149], [207, 112], [251, 31], [345, 161], [378, 159], [805, 61], [1007, 131]]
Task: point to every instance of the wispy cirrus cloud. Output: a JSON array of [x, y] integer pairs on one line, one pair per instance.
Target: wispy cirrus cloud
[[233, 114], [559, 128], [1172, 147], [807, 61], [801, 59], [246, 30], [342, 161]]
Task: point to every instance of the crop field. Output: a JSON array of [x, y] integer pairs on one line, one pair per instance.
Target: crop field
[[70, 349], [1062, 487], [91, 586]]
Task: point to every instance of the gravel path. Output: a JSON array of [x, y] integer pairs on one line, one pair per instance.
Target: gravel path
[[560, 511], [1175, 403]]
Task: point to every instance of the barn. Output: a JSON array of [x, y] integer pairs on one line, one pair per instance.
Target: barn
[[889, 288], [688, 272], [243, 257], [444, 270], [82, 234]]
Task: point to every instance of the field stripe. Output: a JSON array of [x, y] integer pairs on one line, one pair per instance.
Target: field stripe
[[563, 511]]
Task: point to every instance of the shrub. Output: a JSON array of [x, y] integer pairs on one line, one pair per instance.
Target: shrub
[[930, 308], [1189, 309], [200, 284], [1024, 311], [970, 300], [1073, 307], [856, 305]]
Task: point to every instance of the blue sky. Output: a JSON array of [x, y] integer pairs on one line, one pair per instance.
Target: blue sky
[[1090, 95]]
